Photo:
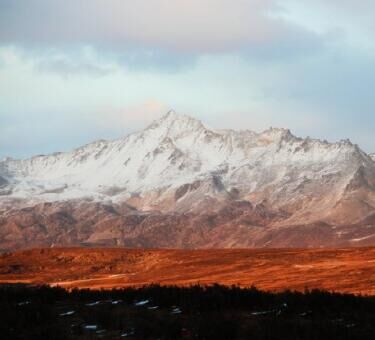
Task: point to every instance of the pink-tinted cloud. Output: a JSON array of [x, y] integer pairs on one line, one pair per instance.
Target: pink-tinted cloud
[[207, 26], [130, 118]]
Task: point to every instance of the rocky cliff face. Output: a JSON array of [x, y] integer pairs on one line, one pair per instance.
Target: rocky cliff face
[[180, 184]]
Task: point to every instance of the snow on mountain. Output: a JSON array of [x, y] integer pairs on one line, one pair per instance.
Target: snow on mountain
[[178, 164], [372, 156]]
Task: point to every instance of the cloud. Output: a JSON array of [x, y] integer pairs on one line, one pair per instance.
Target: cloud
[[353, 20], [152, 35], [351, 7], [67, 66], [326, 95], [78, 70], [181, 26]]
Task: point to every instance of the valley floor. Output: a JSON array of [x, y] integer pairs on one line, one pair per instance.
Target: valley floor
[[350, 270]]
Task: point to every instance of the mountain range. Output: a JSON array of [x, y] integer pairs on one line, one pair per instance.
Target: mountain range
[[179, 184]]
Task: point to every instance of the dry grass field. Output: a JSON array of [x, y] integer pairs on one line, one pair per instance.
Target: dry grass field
[[350, 270]]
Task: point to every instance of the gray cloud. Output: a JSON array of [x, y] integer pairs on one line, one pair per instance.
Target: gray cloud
[[150, 35], [68, 67], [183, 26]]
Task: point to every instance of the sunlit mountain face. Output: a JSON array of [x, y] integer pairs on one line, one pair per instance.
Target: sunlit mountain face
[[178, 183]]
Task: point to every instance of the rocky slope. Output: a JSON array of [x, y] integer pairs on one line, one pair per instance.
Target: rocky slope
[[180, 184]]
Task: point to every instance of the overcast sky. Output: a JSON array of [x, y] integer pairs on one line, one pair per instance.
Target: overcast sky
[[74, 71]]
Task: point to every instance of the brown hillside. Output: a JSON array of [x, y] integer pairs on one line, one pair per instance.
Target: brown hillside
[[344, 270]]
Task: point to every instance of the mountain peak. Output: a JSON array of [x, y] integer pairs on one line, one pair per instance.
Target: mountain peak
[[173, 122], [172, 116]]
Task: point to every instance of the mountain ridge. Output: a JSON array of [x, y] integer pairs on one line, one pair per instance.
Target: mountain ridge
[[176, 166]]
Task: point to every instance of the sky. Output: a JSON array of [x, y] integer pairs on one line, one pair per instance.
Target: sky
[[75, 71]]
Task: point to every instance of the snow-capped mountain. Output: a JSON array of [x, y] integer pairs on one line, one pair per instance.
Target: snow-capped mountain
[[372, 156], [178, 166]]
